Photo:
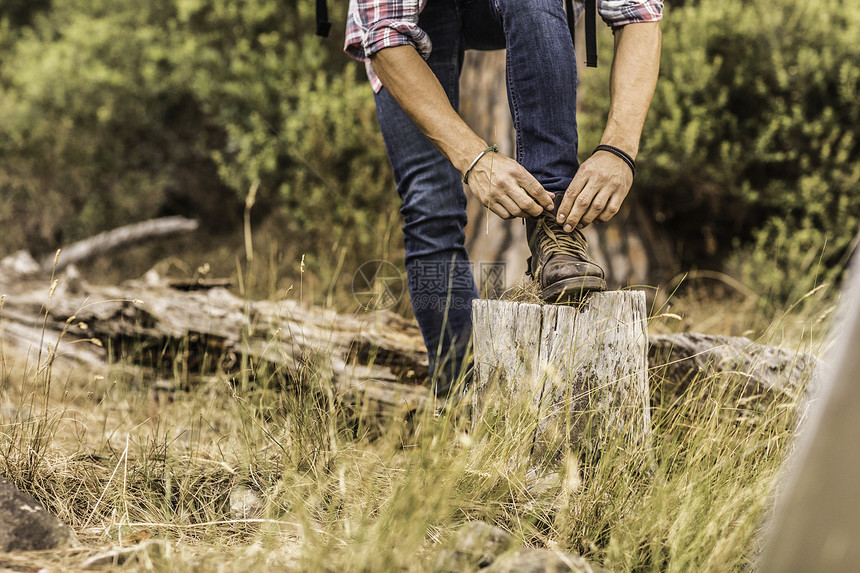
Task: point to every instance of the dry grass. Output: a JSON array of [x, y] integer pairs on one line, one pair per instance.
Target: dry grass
[[123, 461]]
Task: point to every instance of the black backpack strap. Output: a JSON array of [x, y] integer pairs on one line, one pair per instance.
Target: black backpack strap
[[571, 21], [591, 33], [323, 25], [590, 29]]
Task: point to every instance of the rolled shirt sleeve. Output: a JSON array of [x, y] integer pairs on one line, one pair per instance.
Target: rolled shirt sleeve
[[618, 13], [377, 24]]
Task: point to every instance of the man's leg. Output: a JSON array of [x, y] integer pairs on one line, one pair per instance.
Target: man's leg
[[434, 210], [541, 76]]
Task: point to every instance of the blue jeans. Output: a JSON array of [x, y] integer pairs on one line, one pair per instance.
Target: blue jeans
[[541, 81]]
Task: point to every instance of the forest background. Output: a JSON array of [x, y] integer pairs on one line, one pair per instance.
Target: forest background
[[114, 112]]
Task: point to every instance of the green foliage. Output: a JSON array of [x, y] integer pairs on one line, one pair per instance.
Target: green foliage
[[21, 12], [78, 137], [751, 140], [298, 116], [112, 112]]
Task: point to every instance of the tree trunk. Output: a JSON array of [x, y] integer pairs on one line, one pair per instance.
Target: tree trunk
[[580, 372], [816, 523], [489, 239]]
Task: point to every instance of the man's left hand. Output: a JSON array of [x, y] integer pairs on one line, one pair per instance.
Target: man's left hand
[[596, 192]]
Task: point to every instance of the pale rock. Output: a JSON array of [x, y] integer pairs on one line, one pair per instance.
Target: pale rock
[[476, 545], [542, 561], [19, 264], [246, 503], [150, 555]]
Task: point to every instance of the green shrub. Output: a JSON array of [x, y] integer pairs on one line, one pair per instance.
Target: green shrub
[[113, 112], [81, 118], [298, 116], [21, 12]]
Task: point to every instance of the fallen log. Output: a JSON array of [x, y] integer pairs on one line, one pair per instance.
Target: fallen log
[[376, 357], [756, 371], [379, 355]]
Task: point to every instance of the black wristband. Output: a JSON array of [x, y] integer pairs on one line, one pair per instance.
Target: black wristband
[[620, 153]]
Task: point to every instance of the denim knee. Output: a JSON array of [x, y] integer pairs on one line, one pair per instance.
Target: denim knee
[[427, 234]]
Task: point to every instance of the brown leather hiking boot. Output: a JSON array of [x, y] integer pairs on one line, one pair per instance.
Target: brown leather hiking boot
[[559, 262]]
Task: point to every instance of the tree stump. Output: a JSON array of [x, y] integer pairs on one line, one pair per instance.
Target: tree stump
[[575, 376]]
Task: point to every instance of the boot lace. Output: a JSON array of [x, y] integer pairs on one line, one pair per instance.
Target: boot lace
[[554, 240]]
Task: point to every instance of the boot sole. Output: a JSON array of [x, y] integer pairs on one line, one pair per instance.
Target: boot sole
[[572, 290]]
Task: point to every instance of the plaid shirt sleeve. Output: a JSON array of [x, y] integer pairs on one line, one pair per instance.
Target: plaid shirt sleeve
[[618, 13], [376, 24]]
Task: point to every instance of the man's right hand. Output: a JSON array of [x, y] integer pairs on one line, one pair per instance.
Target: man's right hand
[[507, 189], [497, 181]]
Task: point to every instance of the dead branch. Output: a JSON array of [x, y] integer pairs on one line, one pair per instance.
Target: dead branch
[[125, 236]]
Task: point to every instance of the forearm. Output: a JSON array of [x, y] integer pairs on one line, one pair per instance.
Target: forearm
[[408, 78], [633, 78], [603, 180]]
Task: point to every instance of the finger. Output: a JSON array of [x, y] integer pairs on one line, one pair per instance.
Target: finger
[[509, 206], [515, 199], [535, 190], [598, 205], [501, 212], [525, 202], [573, 191], [581, 204], [497, 207], [612, 208]]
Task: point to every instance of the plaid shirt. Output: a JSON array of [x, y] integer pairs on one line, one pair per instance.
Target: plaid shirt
[[376, 24]]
